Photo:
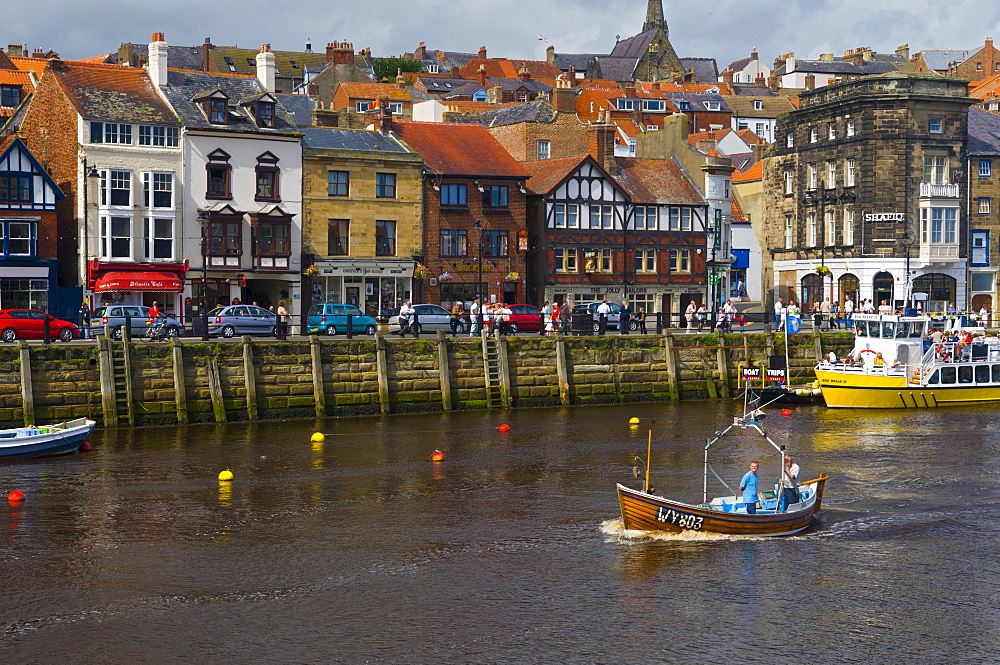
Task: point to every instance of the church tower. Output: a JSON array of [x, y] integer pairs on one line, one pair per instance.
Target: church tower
[[654, 17]]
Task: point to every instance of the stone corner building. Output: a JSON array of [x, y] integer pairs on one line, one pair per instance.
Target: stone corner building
[[866, 181]]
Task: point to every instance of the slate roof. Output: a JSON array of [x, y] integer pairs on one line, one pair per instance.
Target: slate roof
[[112, 93], [459, 149], [615, 69], [299, 107], [940, 60], [658, 181], [178, 57], [695, 98], [440, 86], [634, 47], [706, 70], [739, 65], [536, 111], [578, 61], [753, 91], [331, 138], [984, 132], [820, 67], [184, 86]]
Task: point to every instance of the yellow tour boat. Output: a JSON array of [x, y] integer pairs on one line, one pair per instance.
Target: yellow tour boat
[[895, 365]]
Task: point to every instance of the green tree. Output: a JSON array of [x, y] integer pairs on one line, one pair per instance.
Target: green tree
[[385, 68]]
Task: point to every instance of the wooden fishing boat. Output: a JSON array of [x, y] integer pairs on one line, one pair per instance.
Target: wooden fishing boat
[[778, 512], [59, 439], [890, 368]]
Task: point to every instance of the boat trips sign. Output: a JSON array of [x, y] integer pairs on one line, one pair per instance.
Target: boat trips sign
[[754, 374]]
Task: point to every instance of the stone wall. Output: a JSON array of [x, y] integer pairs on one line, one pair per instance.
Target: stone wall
[[247, 380]]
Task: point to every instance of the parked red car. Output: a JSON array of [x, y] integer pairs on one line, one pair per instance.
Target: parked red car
[[30, 324], [524, 317]]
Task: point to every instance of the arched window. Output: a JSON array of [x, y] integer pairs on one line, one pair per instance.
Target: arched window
[[812, 291], [882, 288], [850, 286]]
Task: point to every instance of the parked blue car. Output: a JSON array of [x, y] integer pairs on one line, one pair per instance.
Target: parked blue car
[[331, 319]]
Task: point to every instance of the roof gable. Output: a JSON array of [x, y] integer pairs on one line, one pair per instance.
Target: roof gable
[[14, 156], [459, 149], [658, 181]]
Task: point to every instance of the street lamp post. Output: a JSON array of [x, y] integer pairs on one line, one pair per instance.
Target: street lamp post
[[907, 239]]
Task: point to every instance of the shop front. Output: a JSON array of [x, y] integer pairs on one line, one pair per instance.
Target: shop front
[[378, 287], [27, 285], [137, 284]]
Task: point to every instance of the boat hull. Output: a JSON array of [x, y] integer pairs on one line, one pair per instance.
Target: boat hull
[[874, 391], [647, 512], [55, 441]]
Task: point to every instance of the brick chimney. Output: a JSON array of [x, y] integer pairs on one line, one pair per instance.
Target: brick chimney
[[206, 54], [523, 73], [774, 83], [810, 81], [16, 50], [990, 57], [753, 54], [158, 50], [340, 53], [601, 143], [455, 72], [727, 76], [564, 97], [903, 51], [481, 75], [482, 52], [420, 53], [39, 53], [382, 120], [760, 81], [550, 54]]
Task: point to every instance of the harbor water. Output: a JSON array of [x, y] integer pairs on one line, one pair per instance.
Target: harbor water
[[359, 549]]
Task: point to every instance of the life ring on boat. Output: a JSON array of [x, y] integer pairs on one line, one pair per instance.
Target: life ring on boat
[[871, 351]]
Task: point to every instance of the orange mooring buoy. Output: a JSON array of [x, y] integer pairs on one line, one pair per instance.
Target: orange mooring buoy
[[504, 428], [786, 412], [437, 456], [15, 495]]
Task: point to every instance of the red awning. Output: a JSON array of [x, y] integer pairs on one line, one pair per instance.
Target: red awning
[[139, 281]]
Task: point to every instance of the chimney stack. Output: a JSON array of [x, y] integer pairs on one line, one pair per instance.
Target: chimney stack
[[727, 76], [16, 50], [482, 52], [400, 79], [266, 67], [340, 53], [481, 75], [523, 73], [601, 144], [760, 81], [773, 83], [810, 81], [206, 57], [382, 122], [903, 51], [157, 68], [420, 53], [564, 100], [550, 54]]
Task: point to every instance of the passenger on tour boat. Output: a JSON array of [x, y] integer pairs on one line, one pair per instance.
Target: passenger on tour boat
[[879, 360]]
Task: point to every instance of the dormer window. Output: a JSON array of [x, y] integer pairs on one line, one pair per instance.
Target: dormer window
[[218, 112], [683, 106], [758, 105], [654, 105], [10, 96], [265, 114], [432, 69], [251, 62], [626, 104], [712, 106]]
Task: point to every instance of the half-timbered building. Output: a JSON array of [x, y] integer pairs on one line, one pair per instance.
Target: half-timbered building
[[633, 230]]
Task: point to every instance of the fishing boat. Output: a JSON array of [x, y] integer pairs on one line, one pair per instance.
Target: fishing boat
[[894, 365], [782, 511], [44, 441]]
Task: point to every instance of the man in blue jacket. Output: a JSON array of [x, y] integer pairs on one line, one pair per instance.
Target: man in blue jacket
[[749, 486]]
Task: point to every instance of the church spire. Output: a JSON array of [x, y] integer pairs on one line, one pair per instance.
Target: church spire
[[654, 16]]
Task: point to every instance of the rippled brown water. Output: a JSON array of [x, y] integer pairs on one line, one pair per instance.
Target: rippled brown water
[[360, 550]]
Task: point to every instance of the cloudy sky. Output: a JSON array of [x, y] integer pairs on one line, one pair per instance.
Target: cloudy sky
[[724, 29]]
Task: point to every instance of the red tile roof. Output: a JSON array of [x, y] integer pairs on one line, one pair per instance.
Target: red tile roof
[[503, 68], [754, 173], [738, 216], [353, 90], [459, 149], [656, 181], [547, 173]]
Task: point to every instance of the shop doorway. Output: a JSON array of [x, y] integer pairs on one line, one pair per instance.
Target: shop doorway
[[882, 288]]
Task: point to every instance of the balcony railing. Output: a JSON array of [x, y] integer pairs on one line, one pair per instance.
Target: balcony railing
[[932, 191]]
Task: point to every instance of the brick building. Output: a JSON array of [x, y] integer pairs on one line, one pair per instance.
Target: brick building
[[539, 130], [362, 203], [474, 213], [868, 180], [28, 198], [984, 208]]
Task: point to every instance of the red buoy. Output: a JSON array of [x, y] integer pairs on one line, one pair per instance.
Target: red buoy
[[437, 456], [504, 428], [786, 412], [15, 495], [84, 447]]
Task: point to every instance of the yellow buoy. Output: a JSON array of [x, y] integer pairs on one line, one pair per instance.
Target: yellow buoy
[[318, 437], [633, 421], [226, 475]]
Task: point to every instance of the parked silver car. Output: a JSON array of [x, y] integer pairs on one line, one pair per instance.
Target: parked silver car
[[241, 320], [112, 318], [616, 310], [429, 317]]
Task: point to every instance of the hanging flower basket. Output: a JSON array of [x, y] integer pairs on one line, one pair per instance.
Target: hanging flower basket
[[512, 277], [420, 272], [445, 277], [822, 271], [311, 271]]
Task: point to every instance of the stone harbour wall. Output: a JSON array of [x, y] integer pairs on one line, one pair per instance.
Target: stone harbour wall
[[178, 382]]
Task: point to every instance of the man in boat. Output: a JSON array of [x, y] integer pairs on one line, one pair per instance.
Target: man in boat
[[749, 487], [792, 477]]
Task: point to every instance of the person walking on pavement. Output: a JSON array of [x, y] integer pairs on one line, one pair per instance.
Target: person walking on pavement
[[456, 317], [405, 315], [565, 315], [282, 320], [602, 316], [624, 318], [546, 321], [477, 322], [779, 314], [691, 315], [85, 319]]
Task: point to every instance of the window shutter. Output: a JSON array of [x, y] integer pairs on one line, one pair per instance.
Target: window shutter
[[97, 132]]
